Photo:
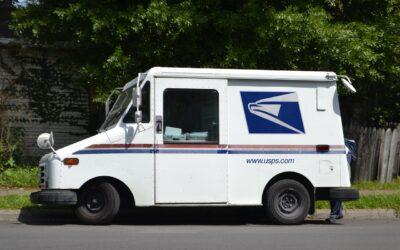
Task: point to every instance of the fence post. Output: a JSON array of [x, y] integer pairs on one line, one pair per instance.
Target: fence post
[[360, 155], [396, 164], [367, 154], [392, 155], [373, 149], [384, 155], [380, 151]]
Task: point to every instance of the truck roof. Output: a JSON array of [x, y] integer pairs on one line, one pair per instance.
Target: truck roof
[[253, 74]]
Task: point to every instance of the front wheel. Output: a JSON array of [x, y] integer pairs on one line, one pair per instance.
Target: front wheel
[[287, 202], [98, 203]]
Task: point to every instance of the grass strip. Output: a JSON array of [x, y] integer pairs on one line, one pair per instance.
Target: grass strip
[[20, 177], [387, 201], [15, 202], [24, 202], [375, 185]]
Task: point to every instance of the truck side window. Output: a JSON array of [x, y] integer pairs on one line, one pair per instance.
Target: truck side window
[[191, 116], [145, 107]]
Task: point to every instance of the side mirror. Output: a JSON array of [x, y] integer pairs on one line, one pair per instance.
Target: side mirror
[[138, 116], [137, 100], [45, 141], [137, 96], [347, 83]]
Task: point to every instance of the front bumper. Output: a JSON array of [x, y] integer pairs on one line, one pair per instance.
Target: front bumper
[[55, 197], [339, 194]]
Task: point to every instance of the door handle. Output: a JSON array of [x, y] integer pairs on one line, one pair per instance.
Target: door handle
[[159, 126]]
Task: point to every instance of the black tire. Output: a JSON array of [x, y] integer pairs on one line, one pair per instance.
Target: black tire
[[344, 194], [287, 202], [98, 204]]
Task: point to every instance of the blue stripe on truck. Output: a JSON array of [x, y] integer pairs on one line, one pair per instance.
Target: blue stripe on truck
[[197, 151]]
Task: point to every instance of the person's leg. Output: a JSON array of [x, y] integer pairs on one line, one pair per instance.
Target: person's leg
[[336, 211], [340, 209]]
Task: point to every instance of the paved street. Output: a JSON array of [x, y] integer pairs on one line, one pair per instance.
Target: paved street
[[200, 230]]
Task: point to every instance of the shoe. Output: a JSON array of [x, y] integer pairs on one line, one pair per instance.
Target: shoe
[[331, 220]]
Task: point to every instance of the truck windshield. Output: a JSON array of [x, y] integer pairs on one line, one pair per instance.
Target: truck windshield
[[118, 109]]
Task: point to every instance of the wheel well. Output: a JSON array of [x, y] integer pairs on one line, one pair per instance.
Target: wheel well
[[127, 199], [297, 177]]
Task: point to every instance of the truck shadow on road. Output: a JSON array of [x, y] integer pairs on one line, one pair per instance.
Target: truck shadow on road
[[159, 216]]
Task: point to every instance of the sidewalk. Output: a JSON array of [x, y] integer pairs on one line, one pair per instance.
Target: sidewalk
[[359, 214], [17, 191], [66, 216]]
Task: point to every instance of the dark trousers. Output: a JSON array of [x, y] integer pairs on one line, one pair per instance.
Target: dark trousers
[[336, 210]]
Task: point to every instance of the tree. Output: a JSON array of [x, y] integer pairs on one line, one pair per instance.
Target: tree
[[6, 6], [112, 40]]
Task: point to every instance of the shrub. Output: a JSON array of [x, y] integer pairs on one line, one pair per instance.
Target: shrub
[[26, 176], [10, 147]]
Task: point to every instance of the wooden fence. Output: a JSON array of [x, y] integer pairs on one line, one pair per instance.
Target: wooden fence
[[378, 153]]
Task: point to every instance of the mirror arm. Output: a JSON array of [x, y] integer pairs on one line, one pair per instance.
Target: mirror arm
[[51, 143]]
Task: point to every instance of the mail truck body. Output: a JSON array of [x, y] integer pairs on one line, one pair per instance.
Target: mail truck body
[[207, 137]]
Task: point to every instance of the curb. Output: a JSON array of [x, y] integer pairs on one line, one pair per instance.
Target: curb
[[9, 215], [360, 214], [34, 216], [66, 216], [17, 191]]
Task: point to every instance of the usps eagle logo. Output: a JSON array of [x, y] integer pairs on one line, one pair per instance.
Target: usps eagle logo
[[272, 112]]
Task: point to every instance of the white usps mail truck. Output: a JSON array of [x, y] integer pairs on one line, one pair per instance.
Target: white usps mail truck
[[207, 137]]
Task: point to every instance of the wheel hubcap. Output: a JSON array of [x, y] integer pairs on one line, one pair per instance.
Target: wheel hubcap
[[94, 202], [288, 201]]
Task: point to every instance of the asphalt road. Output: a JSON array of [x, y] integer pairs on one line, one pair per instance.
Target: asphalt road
[[350, 234]]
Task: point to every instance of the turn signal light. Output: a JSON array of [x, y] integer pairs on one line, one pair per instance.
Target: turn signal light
[[71, 161], [322, 148]]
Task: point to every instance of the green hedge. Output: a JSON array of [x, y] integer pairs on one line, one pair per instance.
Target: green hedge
[[20, 177], [386, 201], [376, 185]]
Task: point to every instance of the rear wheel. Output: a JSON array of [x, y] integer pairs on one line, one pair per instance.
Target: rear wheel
[[98, 203], [287, 202]]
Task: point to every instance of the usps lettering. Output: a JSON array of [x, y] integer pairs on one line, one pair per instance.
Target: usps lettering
[[272, 112]]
